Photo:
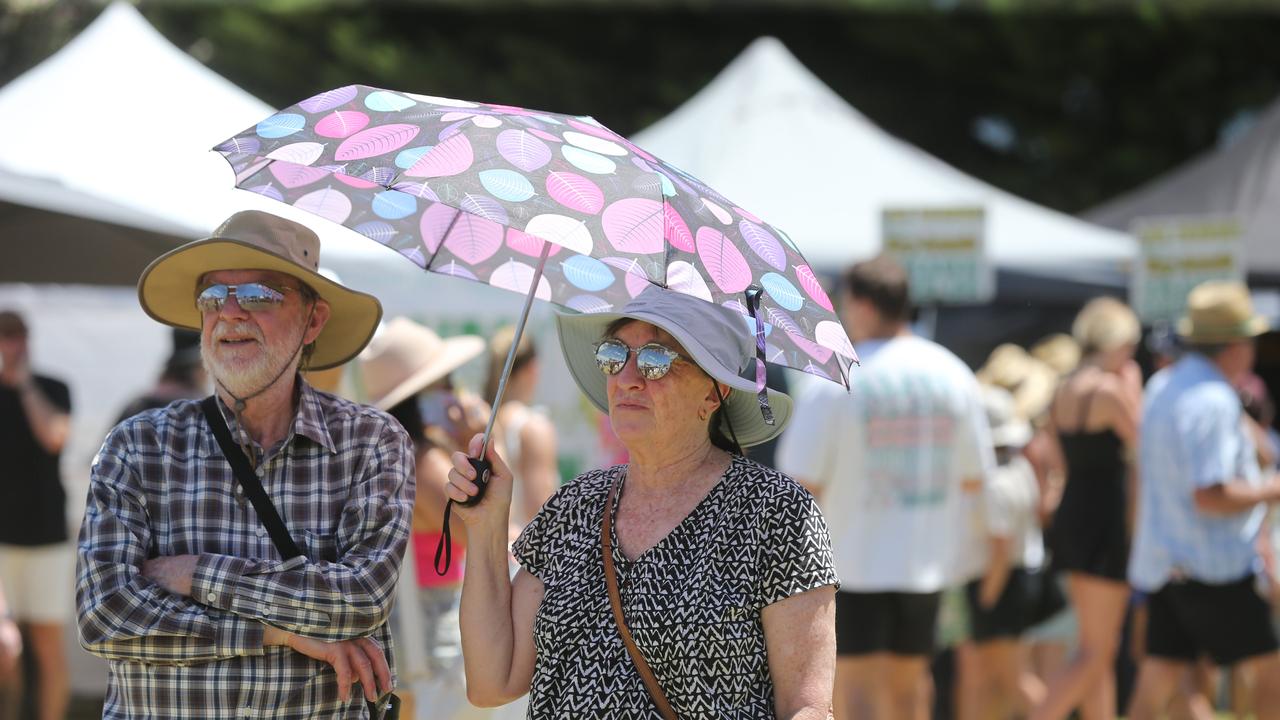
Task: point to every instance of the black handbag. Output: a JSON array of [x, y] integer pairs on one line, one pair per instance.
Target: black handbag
[[1047, 596], [387, 707]]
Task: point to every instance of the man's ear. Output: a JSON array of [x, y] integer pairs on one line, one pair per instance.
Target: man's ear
[[319, 317]]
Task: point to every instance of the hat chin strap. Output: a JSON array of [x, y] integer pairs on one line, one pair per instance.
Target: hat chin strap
[[241, 401]]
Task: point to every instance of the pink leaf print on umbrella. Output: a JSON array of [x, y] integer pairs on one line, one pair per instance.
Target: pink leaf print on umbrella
[[434, 223], [724, 262], [474, 239], [357, 183], [634, 225], [596, 130], [522, 149], [831, 334], [718, 212], [677, 230], [517, 276], [329, 100], [342, 123], [295, 176], [812, 286], [376, 141], [747, 215], [633, 272], [764, 244], [450, 157], [812, 349], [526, 244], [544, 135], [684, 277], [299, 153], [575, 192], [328, 203]]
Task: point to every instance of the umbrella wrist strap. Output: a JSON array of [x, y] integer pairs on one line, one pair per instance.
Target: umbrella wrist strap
[[753, 294], [615, 601], [444, 546]]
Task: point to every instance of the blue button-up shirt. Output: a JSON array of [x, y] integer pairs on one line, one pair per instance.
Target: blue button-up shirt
[[1193, 437]]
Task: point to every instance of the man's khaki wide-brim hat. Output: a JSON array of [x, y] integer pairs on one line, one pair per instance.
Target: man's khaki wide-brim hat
[[255, 240], [405, 357], [1220, 311]]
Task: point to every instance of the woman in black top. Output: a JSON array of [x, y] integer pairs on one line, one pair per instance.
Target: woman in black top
[[1095, 414], [724, 565]]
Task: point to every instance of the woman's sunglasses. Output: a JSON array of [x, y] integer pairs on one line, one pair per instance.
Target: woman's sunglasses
[[653, 360], [253, 297]]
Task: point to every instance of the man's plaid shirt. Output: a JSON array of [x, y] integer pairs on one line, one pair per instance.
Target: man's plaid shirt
[[343, 482]]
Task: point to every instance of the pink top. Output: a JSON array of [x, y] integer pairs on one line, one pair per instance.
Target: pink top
[[424, 553]]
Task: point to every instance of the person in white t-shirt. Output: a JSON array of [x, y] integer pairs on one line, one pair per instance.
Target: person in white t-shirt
[[899, 465]]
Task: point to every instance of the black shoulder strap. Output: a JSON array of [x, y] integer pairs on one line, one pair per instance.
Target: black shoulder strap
[[248, 479]]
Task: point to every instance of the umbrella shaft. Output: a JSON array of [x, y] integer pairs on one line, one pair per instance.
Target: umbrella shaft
[[515, 343]]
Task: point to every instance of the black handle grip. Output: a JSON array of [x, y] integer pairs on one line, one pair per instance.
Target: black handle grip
[[483, 469]]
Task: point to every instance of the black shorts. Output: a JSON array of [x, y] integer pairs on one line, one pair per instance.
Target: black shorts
[[1228, 622], [886, 622], [1009, 616]]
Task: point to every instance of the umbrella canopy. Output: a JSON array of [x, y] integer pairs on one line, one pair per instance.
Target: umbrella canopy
[[486, 191]]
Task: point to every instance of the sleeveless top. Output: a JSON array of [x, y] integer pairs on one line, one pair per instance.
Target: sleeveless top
[[1088, 534]]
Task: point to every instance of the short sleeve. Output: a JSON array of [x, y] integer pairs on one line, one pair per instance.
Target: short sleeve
[[530, 549], [806, 450], [1213, 440], [796, 552], [1001, 503]]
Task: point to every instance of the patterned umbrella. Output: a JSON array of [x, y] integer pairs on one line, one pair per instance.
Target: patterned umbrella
[[473, 190]]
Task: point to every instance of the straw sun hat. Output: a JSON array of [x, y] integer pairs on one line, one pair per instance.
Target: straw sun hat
[[254, 240], [716, 339], [1218, 312], [406, 357]]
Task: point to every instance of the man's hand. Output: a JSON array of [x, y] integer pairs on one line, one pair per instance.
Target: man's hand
[[10, 645], [359, 660], [173, 573]]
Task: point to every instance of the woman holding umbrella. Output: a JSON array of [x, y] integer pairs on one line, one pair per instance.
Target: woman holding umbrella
[[692, 582]]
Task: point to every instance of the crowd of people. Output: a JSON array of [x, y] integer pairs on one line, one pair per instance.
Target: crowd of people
[[240, 554]]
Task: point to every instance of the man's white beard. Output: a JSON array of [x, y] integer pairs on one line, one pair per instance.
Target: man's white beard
[[243, 379]]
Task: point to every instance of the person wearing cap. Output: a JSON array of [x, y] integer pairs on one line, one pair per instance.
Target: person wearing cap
[[722, 566], [35, 558], [900, 464], [1201, 508], [180, 584], [404, 370]]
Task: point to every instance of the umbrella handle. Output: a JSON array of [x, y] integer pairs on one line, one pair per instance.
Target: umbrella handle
[[484, 470]]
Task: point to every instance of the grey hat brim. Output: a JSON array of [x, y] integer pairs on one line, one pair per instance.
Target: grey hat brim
[[581, 332]]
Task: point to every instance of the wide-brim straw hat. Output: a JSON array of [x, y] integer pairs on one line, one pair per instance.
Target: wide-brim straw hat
[[255, 240], [715, 338], [405, 357], [1218, 312], [1009, 428]]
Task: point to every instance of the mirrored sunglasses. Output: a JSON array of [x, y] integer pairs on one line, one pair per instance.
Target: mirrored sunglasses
[[653, 360], [253, 297]]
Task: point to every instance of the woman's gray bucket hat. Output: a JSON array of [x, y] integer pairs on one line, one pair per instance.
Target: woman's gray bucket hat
[[717, 339]]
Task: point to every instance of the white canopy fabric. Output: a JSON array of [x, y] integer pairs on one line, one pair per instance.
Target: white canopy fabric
[[769, 135], [122, 115], [1242, 179]]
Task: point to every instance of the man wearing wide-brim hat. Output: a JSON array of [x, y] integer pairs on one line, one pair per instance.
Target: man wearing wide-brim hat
[[204, 606], [1201, 509]]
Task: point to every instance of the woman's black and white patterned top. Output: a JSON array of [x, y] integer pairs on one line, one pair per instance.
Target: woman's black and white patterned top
[[693, 601]]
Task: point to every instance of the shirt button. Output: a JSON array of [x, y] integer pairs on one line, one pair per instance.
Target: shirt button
[[211, 597], [261, 532], [266, 611]]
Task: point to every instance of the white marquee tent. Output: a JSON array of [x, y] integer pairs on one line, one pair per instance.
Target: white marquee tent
[[769, 135], [1242, 178]]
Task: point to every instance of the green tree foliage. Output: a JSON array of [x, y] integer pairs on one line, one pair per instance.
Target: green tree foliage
[[1066, 103]]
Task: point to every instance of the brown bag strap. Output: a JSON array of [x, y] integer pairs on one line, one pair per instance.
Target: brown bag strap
[[615, 599]]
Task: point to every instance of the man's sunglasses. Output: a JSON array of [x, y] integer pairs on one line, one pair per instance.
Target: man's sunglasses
[[253, 297], [653, 360]]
